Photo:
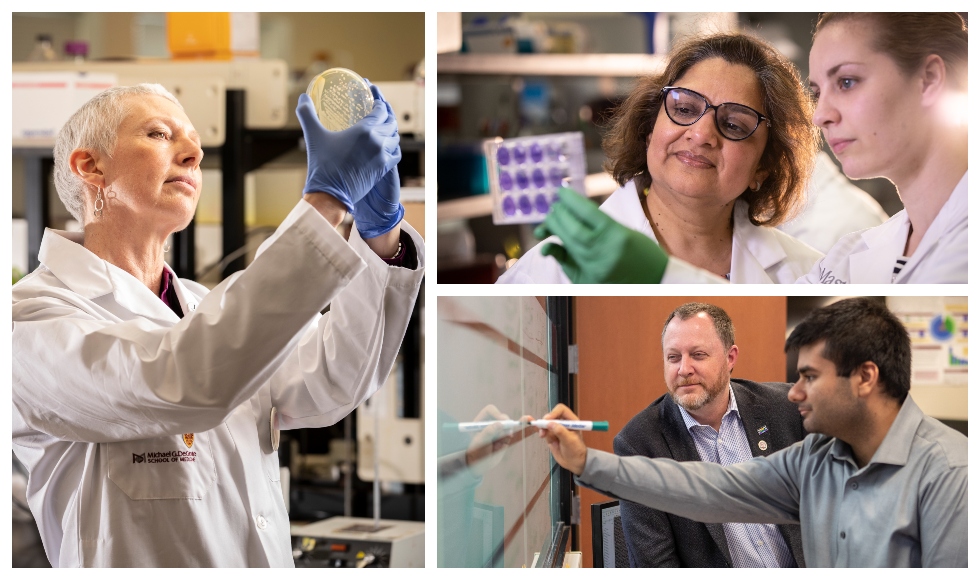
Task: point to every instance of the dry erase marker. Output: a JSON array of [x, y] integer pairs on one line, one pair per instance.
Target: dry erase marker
[[481, 425], [541, 424], [574, 425]]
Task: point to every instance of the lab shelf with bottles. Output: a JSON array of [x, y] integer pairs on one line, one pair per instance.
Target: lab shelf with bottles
[[587, 65], [551, 65]]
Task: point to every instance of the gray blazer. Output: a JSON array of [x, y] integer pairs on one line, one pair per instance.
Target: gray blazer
[[658, 539]]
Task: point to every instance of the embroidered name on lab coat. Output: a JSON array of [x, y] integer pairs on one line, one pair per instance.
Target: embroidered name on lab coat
[[175, 456], [827, 278]]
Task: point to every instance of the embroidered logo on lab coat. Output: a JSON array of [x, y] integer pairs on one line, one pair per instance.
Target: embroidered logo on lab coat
[[188, 439]]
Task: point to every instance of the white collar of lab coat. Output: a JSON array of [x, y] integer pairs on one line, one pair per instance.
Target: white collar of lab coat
[[886, 242], [753, 247], [91, 277], [624, 206], [762, 246]]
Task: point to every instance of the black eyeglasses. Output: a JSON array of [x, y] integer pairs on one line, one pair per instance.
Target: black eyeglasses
[[735, 122]]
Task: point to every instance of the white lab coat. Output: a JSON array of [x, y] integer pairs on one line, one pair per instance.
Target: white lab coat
[[835, 207], [869, 256], [107, 379], [760, 255]]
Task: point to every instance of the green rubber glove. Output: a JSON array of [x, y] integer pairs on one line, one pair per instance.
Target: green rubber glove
[[596, 248]]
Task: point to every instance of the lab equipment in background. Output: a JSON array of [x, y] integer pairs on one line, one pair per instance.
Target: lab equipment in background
[[506, 34], [213, 35], [342, 542], [341, 98], [521, 34], [399, 455], [43, 101], [43, 49], [462, 170], [200, 86], [525, 174], [407, 100], [450, 32], [76, 50]]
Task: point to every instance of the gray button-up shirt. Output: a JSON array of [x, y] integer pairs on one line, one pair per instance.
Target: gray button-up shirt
[[907, 507]]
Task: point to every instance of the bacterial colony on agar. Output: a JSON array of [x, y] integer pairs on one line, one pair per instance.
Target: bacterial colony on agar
[[525, 174], [341, 98]]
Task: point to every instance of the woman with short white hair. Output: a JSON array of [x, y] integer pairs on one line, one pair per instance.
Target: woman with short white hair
[[147, 409]]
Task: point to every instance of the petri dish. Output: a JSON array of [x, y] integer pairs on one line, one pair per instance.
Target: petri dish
[[341, 98]]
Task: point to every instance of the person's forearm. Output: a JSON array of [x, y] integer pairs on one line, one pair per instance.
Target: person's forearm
[[751, 491], [386, 244], [198, 394], [354, 348], [328, 206]]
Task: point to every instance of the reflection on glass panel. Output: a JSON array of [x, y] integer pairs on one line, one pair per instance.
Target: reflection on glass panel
[[494, 490]]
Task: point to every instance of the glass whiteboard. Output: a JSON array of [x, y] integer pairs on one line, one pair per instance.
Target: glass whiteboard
[[496, 490]]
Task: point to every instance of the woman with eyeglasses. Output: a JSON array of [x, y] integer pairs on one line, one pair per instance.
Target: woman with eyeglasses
[[890, 91], [710, 155]]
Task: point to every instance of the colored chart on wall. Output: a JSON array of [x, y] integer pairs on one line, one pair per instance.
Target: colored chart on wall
[[939, 330]]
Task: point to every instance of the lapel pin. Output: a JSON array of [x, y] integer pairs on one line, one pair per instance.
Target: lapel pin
[[763, 445], [762, 430]]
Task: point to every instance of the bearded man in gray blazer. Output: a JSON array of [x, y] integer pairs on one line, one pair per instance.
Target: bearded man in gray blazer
[[708, 416]]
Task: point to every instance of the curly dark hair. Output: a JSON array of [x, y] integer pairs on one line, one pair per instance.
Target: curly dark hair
[[793, 139]]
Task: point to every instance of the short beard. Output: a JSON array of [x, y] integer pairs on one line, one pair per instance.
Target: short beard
[[696, 402]]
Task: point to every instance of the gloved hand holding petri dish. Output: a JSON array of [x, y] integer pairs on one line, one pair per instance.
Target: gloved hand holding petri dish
[[341, 98]]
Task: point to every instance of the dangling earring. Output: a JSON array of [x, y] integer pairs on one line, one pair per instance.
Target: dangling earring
[[99, 203], [166, 247]]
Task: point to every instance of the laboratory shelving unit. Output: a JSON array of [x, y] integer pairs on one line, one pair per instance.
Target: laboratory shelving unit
[[552, 65], [241, 111], [576, 65]]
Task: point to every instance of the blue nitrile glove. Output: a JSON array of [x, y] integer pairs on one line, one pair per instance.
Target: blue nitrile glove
[[346, 164], [379, 211], [596, 248]]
